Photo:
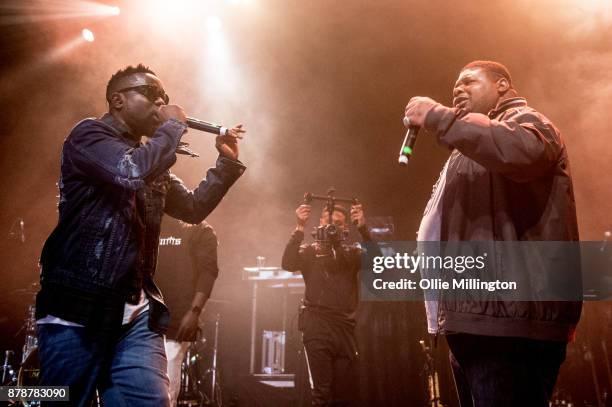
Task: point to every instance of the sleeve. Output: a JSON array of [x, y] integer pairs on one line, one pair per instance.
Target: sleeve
[[194, 206], [293, 256], [94, 150], [203, 251], [369, 249], [522, 148], [364, 232]]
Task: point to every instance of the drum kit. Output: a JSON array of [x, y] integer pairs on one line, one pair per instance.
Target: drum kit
[[29, 368]]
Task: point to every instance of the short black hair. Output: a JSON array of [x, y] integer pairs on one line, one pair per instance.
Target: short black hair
[[122, 73], [338, 208], [491, 67]]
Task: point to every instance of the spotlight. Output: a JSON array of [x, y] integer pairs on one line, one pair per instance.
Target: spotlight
[[115, 11], [87, 35], [213, 23]]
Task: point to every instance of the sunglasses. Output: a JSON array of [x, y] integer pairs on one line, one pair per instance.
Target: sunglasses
[[150, 92]]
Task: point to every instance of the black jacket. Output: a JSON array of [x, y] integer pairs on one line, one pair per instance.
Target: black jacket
[[332, 279], [508, 179], [113, 193]]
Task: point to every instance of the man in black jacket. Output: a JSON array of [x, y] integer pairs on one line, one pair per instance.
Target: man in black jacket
[[507, 179], [327, 317], [100, 316]]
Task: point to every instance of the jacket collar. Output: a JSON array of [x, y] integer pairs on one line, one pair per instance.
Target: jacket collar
[[119, 128], [507, 104]]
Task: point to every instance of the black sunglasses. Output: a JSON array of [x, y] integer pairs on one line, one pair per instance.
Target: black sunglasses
[[150, 92]]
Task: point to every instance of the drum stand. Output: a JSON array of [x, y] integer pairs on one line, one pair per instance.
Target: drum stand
[[31, 340], [9, 378], [215, 386], [190, 395], [433, 385]]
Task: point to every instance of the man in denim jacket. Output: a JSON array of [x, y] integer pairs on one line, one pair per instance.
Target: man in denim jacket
[[100, 316]]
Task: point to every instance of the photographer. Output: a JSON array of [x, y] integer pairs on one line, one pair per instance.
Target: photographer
[[330, 268]]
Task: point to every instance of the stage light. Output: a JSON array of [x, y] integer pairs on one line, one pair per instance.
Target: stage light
[[238, 2], [174, 12], [19, 12], [87, 35], [219, 72], [213, 23]]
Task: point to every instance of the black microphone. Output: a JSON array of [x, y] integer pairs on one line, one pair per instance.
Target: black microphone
[[201, 125], [409, 142]]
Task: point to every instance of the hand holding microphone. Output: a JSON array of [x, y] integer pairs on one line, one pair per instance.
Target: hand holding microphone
[[417, 109], [226, 141], [414, 119], [409, 141], [176, 112]]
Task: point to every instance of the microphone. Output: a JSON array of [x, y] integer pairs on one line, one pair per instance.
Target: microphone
[[201, 125], [409, 142]]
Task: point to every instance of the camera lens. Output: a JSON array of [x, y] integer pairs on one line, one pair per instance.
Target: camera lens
[[332, 231]]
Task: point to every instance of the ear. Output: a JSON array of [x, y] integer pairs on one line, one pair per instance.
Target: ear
[[117, 101], [502, 86]]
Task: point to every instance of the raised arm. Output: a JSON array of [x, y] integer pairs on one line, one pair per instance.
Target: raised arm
[[96, 151]]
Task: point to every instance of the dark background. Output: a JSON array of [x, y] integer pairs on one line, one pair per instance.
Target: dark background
[[321, 87]]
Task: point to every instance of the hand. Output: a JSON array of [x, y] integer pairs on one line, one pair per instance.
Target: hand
[[188, 327], [236, 131], [417, 109], [357, 216], [228, 145], [167, 112], [302, 213]]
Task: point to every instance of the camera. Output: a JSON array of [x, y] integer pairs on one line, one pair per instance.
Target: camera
[[329, 234]]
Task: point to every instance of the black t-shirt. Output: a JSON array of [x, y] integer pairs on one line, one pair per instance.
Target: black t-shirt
[[187, 263]]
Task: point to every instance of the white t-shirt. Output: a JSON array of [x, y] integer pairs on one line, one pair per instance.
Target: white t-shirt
[[429, 231]]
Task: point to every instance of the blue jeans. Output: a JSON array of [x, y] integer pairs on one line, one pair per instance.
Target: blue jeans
[[503, 371], [128, 368]]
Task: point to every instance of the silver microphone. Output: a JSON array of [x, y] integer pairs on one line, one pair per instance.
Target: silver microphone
[[201, 125]]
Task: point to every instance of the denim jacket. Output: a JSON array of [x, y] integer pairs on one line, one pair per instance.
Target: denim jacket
[[113, 193]]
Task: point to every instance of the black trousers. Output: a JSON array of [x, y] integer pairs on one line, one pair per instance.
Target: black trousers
[[502, 371], [333, 376], [332, 358]]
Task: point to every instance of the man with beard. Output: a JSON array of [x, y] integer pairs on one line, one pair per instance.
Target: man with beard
[[507, 179], [100, 316]]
